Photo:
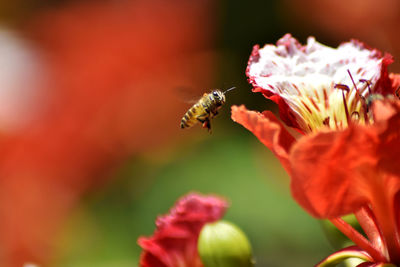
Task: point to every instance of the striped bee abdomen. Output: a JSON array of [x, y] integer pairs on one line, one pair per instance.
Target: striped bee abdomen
[[190, 117]]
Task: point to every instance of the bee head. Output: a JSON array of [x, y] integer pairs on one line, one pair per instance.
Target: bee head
[[218, 96]]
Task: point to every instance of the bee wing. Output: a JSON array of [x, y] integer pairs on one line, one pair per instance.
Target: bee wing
[[188, 94]]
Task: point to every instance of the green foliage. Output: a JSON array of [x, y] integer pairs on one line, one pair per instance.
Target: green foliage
[[105, 229]]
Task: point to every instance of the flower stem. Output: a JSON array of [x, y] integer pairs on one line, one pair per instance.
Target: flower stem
[[367, 221], [358, 239], [387, 223]]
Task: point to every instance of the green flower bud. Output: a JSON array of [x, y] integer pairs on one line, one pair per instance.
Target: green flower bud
[[223, 244]]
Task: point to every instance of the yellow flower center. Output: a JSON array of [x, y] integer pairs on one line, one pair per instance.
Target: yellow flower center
[[334, 107]]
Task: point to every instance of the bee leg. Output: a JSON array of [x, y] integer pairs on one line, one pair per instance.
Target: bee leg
[[202, 117], [205, 120], [207, 124]]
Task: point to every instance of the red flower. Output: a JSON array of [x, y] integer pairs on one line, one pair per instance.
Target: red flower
[[347, 160], [174, 243]]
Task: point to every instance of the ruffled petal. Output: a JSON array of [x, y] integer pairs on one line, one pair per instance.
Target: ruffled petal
[[387, 124], [350, 167], [174, 243], [384, 86], [304, 78], [395, 81], [267, 128], [331, 171]]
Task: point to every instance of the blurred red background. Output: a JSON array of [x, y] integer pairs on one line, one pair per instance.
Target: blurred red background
[[87, 84], [375, 23], [106, 84]]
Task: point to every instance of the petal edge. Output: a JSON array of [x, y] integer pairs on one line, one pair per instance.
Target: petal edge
[[268, 129]]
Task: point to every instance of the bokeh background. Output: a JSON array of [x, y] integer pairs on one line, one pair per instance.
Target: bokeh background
[[91, 97]]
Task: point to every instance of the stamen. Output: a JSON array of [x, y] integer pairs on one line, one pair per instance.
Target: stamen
[[368, 85], [344, 87], [351, 77], [335, 120], [326, 99], [306, 106], [358, 239], [314, 104], [355, 86], [364, 101], [369, 224]]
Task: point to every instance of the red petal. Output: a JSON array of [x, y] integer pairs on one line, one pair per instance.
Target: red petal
[[335, 173], [268, 130], [155, 255], [285, 112], [328, 169], [384, 84], [387, 117], [395, 79], [174, 243]]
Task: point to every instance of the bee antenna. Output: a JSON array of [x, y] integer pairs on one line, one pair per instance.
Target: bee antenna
[[230, 89]]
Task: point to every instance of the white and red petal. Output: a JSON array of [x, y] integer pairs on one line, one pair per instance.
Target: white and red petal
[[304, 78]]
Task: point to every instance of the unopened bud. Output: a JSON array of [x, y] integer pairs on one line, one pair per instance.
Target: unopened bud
[[223, 244]]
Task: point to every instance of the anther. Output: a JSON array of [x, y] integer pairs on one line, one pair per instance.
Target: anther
[[344, 87], [351, 77], [355, 87], [368, 85], [364, 101]]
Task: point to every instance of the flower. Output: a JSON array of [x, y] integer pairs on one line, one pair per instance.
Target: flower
[[346, 160], [174, 243]]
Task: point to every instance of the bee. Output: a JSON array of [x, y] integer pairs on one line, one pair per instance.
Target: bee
[[205, 109]]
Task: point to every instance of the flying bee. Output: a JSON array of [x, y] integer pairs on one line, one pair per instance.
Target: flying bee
[[205, 109]]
